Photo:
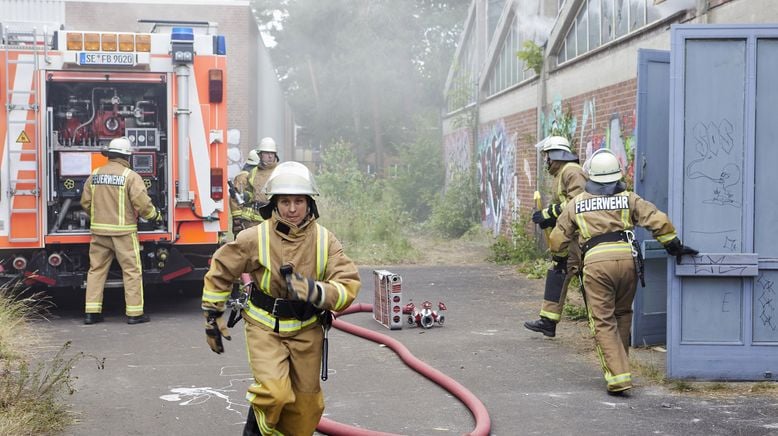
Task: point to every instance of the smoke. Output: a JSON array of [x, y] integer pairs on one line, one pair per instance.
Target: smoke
[[533, 25]]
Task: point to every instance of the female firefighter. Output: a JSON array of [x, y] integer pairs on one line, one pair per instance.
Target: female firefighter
[[298, 270], [603, 217]]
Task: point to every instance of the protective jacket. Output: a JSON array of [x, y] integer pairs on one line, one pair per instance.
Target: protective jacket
[[114, 195], [243, 186], [257, 179], [312, 250], [592, 215], [569, 181]]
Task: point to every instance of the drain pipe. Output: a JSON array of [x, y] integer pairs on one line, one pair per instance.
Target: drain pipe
[[182, 116], [477, 408]]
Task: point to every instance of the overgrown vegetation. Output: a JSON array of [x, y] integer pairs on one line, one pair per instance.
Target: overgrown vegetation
[[532, 55], [517, 248], [456, 211], [31, 393]]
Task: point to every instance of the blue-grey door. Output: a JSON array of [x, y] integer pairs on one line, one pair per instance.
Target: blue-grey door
[[721, 304], [649, 323]]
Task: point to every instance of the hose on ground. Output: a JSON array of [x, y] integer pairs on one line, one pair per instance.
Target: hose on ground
[[476, 407]]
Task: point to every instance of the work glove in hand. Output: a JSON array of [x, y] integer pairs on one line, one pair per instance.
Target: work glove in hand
[[677, 249], [158, 216], [546, 218], [560, 264], [215, 329], [306, 289]]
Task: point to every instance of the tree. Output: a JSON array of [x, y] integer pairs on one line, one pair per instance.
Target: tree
[[363, 71]]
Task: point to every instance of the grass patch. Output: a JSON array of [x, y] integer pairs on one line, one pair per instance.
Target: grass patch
[[574, 312], [763, 387], [31, 394], [535, 268], [682, 386]]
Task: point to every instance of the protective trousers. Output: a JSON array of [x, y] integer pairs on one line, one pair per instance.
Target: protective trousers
[[102, 250], [553, 304], [610, 288], [285, 396]]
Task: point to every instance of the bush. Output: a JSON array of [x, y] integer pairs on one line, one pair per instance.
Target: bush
[[456, 211], [420, 180], [360, 210], [519, 247], [31, 395]]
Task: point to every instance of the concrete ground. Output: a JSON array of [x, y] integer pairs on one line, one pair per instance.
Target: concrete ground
[[161, 378]]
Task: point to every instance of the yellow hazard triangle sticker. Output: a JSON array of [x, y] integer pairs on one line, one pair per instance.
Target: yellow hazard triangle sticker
[[23, 138]]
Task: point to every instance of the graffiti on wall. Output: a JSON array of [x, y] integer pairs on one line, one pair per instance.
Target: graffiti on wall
[[497, 175], [618, 134], [456, 152]]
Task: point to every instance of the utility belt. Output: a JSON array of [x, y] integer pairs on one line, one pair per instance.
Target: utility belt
[[281, 307], [621, 236]]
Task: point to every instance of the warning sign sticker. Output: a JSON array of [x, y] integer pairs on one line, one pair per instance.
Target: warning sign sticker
[[23, 138]]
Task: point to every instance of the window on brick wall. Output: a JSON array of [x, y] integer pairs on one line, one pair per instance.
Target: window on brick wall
[[461, 92]]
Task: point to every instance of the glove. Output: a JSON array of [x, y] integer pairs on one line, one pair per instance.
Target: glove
[[158, 216], [307, 289], [237, 224], [546, 218], [560, 264], [215, 329], [677, 249]]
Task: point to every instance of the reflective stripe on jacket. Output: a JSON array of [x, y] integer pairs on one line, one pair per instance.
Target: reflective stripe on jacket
[[592, 215], [311, 249]]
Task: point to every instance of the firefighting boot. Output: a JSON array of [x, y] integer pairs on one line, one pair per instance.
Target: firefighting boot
[[251, 428], [542, 325], [138, 319], [93, 318]]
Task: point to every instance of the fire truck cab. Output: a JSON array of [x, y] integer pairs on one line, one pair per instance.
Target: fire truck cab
[[66, 95]]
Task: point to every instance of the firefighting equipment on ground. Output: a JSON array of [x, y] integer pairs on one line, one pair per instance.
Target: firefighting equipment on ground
[[569, 180], [425, 317], [601, 221]]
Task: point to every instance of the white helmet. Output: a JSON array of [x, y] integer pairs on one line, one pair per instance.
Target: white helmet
[[604, 167], [558, 148], [253, 158], [267, 144], [290, 178], [121, 146]]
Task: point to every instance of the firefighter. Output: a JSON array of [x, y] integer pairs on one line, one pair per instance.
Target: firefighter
[[244, 216], [604, 217], [569, 181], [268, 159], [114, 196], [298, 272]]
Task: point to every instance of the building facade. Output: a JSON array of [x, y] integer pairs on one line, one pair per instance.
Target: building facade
[[584, 86]]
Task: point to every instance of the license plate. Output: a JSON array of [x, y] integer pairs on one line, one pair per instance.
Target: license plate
[[106, 59]]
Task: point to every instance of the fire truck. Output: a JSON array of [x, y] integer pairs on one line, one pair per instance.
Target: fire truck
[[66, 95]]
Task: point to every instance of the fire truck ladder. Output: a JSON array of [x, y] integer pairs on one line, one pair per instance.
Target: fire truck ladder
[[22, 108]]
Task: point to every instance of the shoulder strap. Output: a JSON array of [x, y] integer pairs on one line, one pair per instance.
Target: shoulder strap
[[263, 253]]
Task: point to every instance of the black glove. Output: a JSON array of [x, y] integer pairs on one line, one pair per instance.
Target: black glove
[[215, 329], [560, 263], [307, 289], [677, 249], [546, 218]]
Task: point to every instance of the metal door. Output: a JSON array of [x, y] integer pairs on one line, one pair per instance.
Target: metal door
[[649, 324], [721, 305]]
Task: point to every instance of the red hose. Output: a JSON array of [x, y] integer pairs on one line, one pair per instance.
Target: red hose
[[477, 409]]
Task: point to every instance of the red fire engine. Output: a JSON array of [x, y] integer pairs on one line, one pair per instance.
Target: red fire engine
[[66, 95]]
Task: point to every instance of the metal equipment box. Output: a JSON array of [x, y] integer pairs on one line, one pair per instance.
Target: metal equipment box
[[387, 306]]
